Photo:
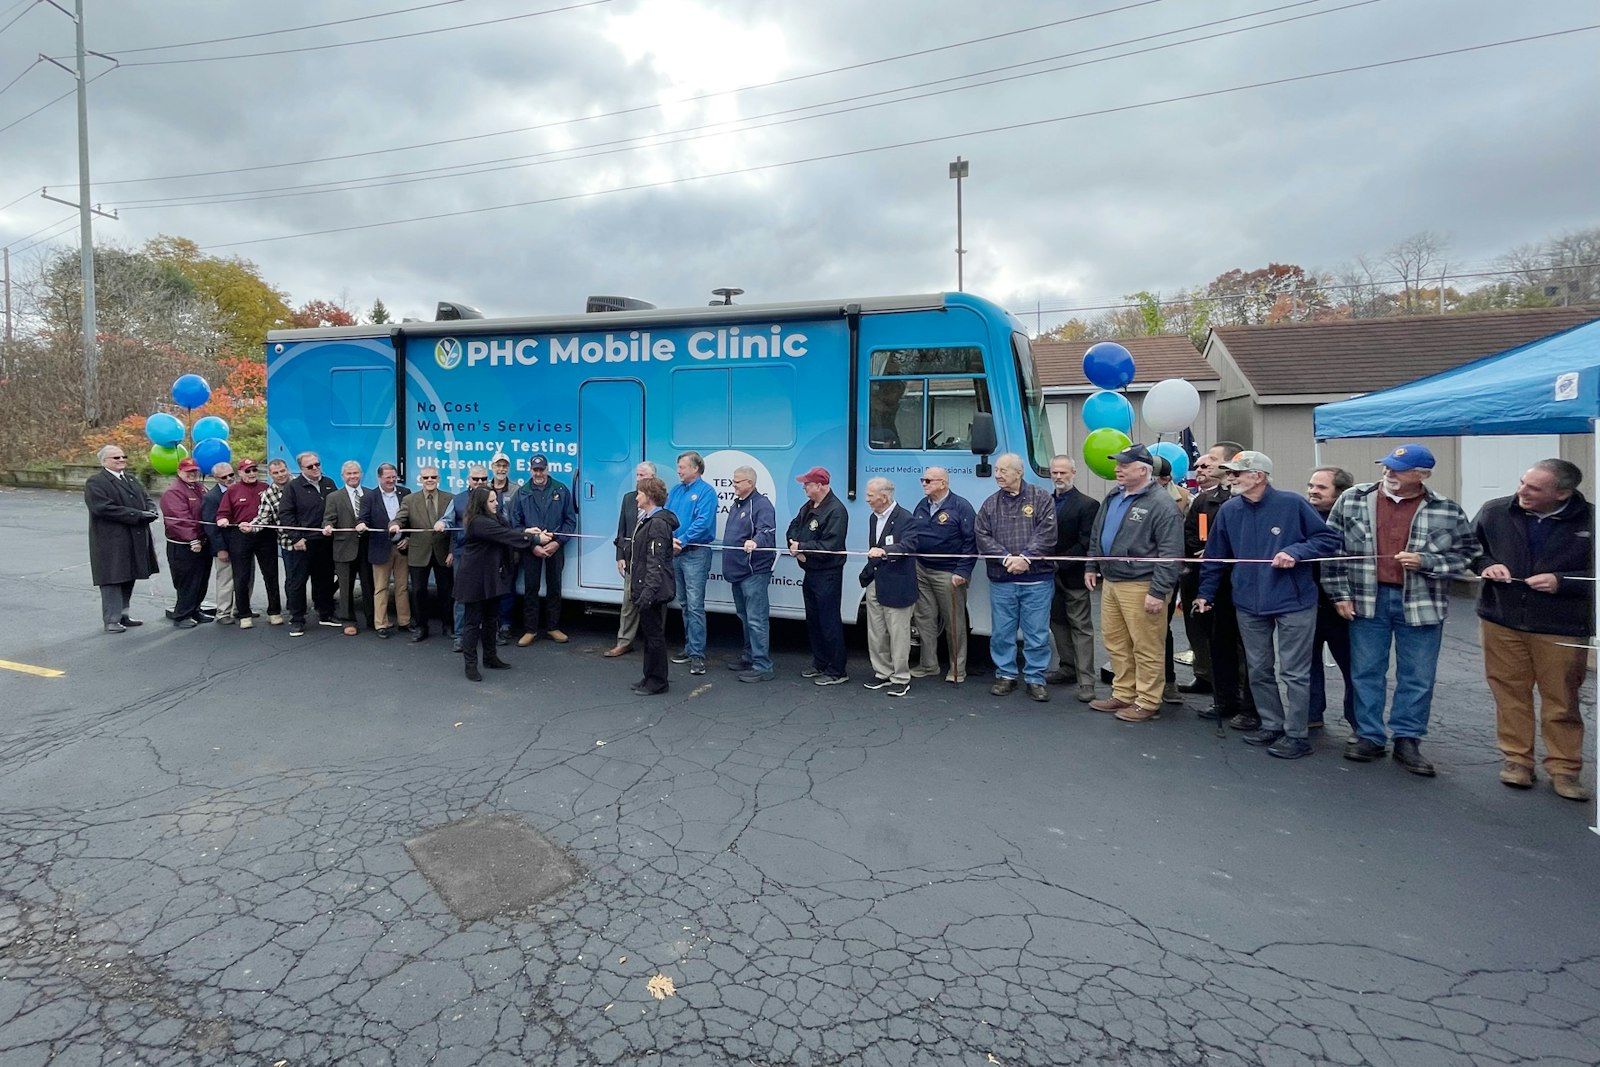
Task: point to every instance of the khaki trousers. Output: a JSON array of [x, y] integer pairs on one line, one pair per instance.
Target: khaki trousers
[[222, 586], [941, 607], [888, 638], [381, 573], [1514, 663], [1136, 642]]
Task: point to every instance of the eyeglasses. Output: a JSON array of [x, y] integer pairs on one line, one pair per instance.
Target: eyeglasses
[[430, 477], [477, 479], [309, 466]]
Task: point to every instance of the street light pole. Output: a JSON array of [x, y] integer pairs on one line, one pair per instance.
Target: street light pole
[[958, 170]]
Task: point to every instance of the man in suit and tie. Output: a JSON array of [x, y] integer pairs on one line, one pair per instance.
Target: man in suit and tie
[[121, 550], [890, 579], [341, 512], [427, 549], [302, 512], [379, 508]]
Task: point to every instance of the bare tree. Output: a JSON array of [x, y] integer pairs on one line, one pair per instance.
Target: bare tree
[[1418, 260]]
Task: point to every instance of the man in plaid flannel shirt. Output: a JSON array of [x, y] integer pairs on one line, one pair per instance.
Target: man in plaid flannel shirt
[[267, 514], [1402, 546]]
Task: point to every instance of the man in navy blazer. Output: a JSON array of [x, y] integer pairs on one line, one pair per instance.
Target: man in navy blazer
[[386, 551], [890, 579]]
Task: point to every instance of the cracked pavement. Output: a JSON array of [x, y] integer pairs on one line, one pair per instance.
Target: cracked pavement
[[204, 837]]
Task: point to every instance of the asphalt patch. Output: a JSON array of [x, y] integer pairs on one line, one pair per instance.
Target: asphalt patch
[[488, 865]]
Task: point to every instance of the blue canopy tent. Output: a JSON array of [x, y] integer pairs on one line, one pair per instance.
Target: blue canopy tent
[[1550, 386]]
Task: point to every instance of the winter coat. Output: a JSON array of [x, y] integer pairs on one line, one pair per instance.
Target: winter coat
[[486, 568], [121, 548], [1568, 553], [650, 580]]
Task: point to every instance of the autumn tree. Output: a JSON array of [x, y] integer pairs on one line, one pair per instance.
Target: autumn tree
[[1278, 292], [316, 313], [248, 306]]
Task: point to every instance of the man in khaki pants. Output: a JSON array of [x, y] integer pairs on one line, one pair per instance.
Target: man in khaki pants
[[1137, 523], [1536, 611]]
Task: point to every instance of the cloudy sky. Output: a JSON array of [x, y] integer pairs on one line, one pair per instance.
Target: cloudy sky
[[520, 156]]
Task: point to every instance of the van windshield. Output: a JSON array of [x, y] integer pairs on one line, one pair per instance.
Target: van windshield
[[1034, 422]]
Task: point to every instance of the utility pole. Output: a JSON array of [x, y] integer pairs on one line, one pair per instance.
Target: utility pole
[[7, 258], [958, 171]]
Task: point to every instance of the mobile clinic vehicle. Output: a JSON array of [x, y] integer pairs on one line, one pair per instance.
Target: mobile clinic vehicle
[[884, 386]]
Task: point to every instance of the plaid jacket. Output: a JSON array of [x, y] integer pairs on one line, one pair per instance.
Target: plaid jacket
[[267, 515], [1440, 533]]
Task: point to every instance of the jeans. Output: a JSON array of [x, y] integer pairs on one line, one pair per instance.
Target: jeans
[[750, 602], [1416, 653], [822, 591], [690, 569], [1023, 606], [1294, 631]]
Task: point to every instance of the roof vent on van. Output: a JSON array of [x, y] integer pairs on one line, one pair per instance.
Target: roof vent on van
[[449, 311], [616, 303]]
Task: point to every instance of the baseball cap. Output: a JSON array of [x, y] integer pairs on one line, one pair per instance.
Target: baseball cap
[[246, 464], [188, 465], [819, 475], [498, 456], [539, 462], [1249, 461], [1135, 454], [1409, 457]]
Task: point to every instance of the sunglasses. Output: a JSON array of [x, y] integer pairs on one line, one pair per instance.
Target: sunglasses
[[477, 479]]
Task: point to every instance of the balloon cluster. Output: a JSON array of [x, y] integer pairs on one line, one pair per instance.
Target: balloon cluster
[[1169, 407], [167, 432]]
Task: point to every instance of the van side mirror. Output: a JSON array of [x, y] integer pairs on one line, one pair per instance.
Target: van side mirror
[[981, 434]]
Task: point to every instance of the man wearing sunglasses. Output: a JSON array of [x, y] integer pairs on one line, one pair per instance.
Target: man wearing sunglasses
[[121, 549], [302, 507], [216, 544]]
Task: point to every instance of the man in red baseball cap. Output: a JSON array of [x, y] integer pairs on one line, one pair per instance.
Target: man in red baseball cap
[[816, 537], [186, 545]]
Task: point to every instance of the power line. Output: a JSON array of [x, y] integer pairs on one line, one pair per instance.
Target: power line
[[291, 29], [370, 40], [635, 109], [72, 218], [744, 125], [52, 103], [20, 199], [871, 150], [18, 78], [31, 5]]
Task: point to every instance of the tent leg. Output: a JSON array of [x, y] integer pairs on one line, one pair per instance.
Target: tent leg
[[1316, 452], [1594, 437]]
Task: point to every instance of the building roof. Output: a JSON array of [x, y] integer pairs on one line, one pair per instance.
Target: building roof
[[1363, 355], [1060, 363]]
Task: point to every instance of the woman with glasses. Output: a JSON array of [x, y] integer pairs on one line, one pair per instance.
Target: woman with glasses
[[484, 575]]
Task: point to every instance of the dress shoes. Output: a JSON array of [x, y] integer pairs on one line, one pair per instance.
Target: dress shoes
[[472, 673], [1134, 713], [386, 632], [617, 650], [1408, 753], [118, 628], [645, 691], [495, 663], [1109, 704], [419, 635], [131, 622], [1262, 738], [1199, 685], [1364, 751], [182, 624], [1061, 677]]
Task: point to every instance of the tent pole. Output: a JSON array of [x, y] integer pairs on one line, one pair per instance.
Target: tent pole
[[1594, 437], [1316, 452]]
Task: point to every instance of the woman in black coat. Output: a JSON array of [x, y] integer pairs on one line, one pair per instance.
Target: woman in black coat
[[650, 582], [485, 573]]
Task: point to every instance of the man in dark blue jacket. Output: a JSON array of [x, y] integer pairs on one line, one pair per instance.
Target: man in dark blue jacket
[[543, 504], [1536, 612], [1280, 597], [890, 579], [749, 538], [1071, 612]]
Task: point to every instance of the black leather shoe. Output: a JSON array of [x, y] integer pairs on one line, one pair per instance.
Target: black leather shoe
[[1261, 738], [495, 663], [385, 632], [131, 622], [1212, 713], [419, 635], [645, 691], [115, 628], [201, 618], [1409, 755], [1245, 720], [1199, 685], [1061, 677], [185, 624], [1364, 751]]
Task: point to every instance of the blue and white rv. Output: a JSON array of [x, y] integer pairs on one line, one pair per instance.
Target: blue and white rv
[[884, 386]]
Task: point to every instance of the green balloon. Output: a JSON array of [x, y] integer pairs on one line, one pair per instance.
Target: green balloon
[[165, 460], [1100, 446]]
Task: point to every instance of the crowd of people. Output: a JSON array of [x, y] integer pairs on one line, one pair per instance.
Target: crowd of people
[[1267, 580]]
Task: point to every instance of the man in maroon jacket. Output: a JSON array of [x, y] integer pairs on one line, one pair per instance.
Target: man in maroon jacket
[[186, 545]]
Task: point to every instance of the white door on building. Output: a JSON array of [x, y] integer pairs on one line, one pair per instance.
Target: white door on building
[[1492, 466]]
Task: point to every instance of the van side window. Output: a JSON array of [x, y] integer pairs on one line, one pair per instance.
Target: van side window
[[361, 396], [923, 399], [733, 407]]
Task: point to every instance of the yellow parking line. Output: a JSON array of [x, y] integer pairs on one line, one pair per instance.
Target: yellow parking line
[[28, 668]]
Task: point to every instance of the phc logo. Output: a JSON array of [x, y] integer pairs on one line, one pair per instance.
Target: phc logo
[[447, 353]]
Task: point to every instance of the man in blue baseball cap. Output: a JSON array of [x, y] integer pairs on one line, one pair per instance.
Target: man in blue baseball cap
[[1402, 545]]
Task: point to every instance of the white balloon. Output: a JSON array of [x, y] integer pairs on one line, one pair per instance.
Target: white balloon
[[1171, 405]]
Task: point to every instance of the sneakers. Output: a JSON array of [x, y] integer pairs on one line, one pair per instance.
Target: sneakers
[[680, 657], [924, 672], [697, 665], [274, 620], [1408, 753], [297, 630], [756, 676], [1516, 775], [557, 636], [1038, 692], [809, 672], [1110, 703], [1086, 692], [830, 679], [1170, 694], [246, 623], [739, 666], [901, 690], [329, 620], [1287, 747], [1567, 785], [1364, 751], [1134, 713], [522, 642], [1002, 686], [1246, 721], [877, 682], [1261, 738], [224, 620], [1211, 713]]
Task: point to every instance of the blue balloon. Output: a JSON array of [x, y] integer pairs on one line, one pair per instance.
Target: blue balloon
[[191, 391], [211, 426], [1108, 365], [163, 429], [1175, 455], [1106, 410], [210, 452]]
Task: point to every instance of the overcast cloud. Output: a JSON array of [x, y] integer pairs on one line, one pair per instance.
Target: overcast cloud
[[1492, 148]]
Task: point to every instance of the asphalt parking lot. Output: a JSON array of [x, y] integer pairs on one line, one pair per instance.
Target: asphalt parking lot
[[206, 853]]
